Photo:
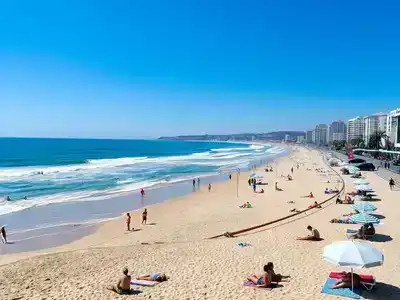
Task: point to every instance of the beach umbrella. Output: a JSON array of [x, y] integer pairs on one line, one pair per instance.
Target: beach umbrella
[[353, 169], [256, 175], [360, 182], [353, 254], [364, 218], [363, 207], [363, 187]]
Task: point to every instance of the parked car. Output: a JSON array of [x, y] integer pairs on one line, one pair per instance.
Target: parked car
[[366, 167], [356, 161]]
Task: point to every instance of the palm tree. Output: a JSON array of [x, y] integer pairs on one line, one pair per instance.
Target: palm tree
[[375, 140]]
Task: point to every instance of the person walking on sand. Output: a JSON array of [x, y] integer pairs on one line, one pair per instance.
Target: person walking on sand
[[391, 184], [230, 176], [209, 187], [128, 221], [249, 181], [144, 217], [291, 170], [3, 234]]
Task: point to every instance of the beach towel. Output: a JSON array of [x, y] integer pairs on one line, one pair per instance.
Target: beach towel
[[252, 284], [347, 292], [242, 244], [144, 283]]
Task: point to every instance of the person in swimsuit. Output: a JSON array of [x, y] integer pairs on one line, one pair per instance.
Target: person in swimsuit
[[144, 217], [3, 234], [142, 192], [313, 237], [209, 187], [263, 280], [275, 277], [128, 221], [123, 286], [347, 281], [154, 277]]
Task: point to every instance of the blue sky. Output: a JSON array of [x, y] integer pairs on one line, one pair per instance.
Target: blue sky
[[146, 68]]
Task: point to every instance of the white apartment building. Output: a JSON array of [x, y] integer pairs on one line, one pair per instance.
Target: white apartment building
[[309, 136], [355, 128], [373, 124], [337, 131], [320, 134], [393, 128], [301, 139]]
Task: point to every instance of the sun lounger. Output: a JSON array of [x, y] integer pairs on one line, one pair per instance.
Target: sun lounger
[[368, 281]]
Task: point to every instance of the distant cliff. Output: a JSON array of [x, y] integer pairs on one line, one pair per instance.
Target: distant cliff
[[270, 136]]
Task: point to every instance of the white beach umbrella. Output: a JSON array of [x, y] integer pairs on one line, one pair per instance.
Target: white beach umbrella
[[360, 182], [363, 187], [257, 175], [353, 254]]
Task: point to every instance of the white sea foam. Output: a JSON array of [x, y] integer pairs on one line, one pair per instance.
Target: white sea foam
[[130, 173]]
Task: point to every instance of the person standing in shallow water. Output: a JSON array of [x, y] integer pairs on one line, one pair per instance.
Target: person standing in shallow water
[[194, 183], [198, 182], [3, 234]]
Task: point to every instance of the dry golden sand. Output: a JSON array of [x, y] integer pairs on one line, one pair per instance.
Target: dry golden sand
[[210, 269]]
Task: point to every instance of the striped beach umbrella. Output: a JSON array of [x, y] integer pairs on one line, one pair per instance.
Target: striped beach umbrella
[[363, 206], [364, 218], [360, 181], [363, 187]]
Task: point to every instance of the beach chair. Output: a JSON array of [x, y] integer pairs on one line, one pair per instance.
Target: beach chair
[[367, 281]]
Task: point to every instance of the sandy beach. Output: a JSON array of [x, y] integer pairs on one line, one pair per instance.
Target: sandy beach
[[176, 242]]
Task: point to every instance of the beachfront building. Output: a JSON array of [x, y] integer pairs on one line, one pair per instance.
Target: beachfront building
[[337, 131], [309, 136], [374, 124], [301, 139], [355, 128], [393, 128], [320, 135], [287, 138]]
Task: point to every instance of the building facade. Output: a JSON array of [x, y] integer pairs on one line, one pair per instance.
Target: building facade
[[337, 131], [355, 128], [309, 136], [321, 135], [374, 124], [393, 128]]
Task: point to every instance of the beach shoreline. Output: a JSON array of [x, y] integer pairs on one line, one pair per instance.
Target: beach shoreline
[[58, 224]]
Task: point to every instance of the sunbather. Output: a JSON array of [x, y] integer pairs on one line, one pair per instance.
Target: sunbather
[[123, 286], [274, 277], [363, 233], [347, 200], [348, 281], [315, 204], [155, 277], [311, 195], [261, 281], [246, 205], [342, 220], [313, 237], [294, 210]]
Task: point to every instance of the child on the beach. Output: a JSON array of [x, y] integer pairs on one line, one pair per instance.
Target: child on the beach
[[128, 222]]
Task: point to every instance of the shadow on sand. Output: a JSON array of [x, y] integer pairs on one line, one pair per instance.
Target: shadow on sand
[[382, 291], [380, 238]]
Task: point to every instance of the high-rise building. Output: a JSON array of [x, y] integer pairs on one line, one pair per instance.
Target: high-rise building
[[355, 128], [320, 135], [337, 131], [393, 127], [301, 139], [373, 124], [287, 138], [309, 136]]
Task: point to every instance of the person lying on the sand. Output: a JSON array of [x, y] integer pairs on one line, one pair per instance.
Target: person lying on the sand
[[261, 281], [123, 286], [313, 237], [347, 200], [294, 210], [246, 205], [342, 220], [154, 277], [274, 277], [330, 191], [260, 192], [348, 281], [315, 204], [310, 195]]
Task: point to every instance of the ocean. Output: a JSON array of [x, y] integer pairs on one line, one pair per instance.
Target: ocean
[[73, 181]]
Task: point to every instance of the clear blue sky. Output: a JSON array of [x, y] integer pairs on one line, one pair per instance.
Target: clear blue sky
[[144, 68]]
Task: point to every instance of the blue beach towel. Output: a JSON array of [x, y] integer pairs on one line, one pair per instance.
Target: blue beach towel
[[242, 245], [347, 293]]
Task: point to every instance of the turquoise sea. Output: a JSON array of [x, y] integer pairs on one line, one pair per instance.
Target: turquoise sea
[[48, 171]]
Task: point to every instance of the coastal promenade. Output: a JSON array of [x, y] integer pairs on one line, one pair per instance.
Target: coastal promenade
[[176, 243]]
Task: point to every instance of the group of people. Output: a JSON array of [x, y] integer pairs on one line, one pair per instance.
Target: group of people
[[128, 220], [268, 278], [123, 286]]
